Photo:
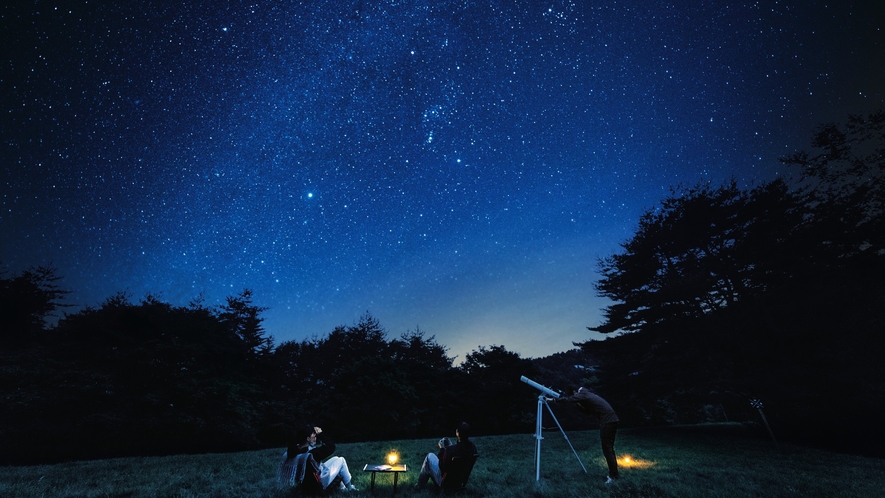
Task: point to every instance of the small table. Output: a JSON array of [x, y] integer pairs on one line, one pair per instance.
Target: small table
[[396, 469]]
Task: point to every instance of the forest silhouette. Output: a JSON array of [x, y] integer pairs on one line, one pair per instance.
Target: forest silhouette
[[727, 303]]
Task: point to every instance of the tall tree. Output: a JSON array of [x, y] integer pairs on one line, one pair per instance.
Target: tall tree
[[701, 250], [493, 399], [27, 300], [775, 292], [366, 338], [844, 181], [343, 377], [244, 319], [429, 370]]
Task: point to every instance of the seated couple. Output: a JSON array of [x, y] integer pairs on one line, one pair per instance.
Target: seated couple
[[441, 466], [303, 462]]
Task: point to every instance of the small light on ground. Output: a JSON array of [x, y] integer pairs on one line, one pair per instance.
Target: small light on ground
[[631, 462]]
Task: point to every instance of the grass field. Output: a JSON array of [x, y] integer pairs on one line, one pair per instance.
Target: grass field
[[692, 461]]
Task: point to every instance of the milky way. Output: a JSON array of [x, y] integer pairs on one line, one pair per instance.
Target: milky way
[[453, 167]]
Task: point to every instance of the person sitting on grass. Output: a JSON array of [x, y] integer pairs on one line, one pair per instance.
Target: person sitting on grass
[[311, 440], [434, 466]]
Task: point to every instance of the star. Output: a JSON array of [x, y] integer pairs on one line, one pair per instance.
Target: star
[[463, 167]]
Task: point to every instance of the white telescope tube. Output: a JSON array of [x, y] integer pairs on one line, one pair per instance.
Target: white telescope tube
[[543, 389]]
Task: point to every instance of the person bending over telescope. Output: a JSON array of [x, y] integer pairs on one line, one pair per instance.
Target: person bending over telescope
[[434, 466], [593, 405]]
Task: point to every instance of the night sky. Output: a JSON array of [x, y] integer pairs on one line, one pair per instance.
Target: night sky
[[452, 166]]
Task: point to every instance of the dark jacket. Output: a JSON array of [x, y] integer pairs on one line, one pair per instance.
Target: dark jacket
[[323, 450], [461, 449], [591, 404]]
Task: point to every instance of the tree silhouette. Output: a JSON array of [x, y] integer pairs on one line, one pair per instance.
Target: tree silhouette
[[244, 319], [492, 396], [844, 185], [27, 300], [359, 385], [700, 251], [429, 371], [774, 292]]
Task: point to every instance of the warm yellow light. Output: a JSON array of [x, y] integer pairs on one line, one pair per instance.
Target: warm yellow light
[[391, 458], [634, 463]]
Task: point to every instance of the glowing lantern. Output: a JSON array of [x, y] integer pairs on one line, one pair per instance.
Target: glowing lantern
[[392, 457]]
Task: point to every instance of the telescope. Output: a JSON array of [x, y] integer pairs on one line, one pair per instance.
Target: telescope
[[539, 429], [544, 389]]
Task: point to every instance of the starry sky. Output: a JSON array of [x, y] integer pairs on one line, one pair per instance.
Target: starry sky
[[450, 166]]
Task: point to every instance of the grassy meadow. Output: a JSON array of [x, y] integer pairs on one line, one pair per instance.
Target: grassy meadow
[[722, 460]]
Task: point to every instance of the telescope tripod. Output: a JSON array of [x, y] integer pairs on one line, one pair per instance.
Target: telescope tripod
[[542, 401]]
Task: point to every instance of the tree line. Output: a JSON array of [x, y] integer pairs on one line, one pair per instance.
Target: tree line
[[773, 294], [147, 378]]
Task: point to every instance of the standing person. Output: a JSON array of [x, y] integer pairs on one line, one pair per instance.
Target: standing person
[[312, 440], [594, 405], [435, 465]]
